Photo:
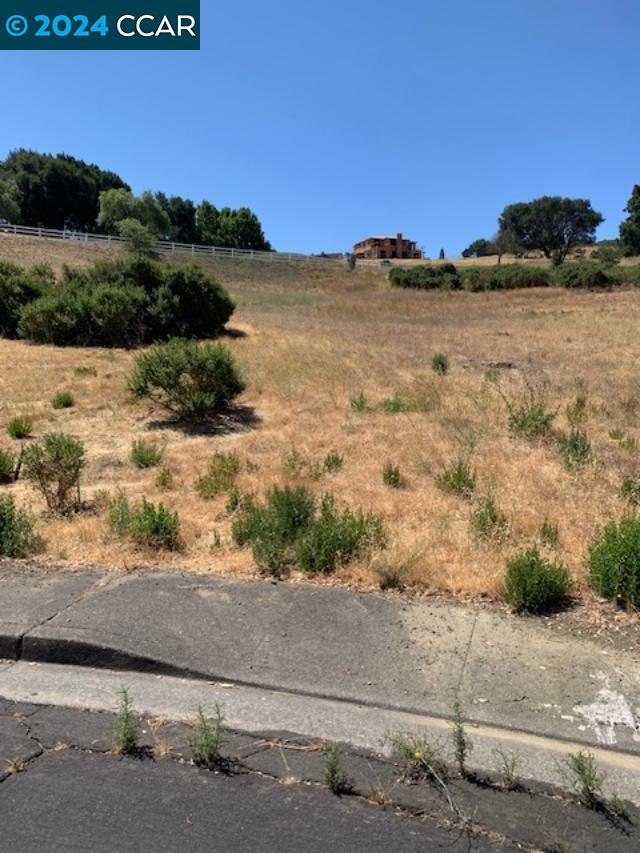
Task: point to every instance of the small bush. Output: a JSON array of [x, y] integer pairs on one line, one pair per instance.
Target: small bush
[[290, 530], [391, 476], [332, 462], [630, 491], [489, 522], [458, 479], [574, 447], [164, 480], [504, 277], [146, 525], [507, 768], [63, 400], [585, 778], [7, 467], [584, 274], [333, 537], [529, 416], [53, 465], [206, 741], [440, 363], [421, 758], [220, 477], [85, 371], [426, 277], [359, 403], [334, 777], [534, 584], [17, 537], [614, 562], [20, 428], [18, 287], [549, 534], [577, 411], [145, 455], [395, 405], [194, 382], [128, 725]]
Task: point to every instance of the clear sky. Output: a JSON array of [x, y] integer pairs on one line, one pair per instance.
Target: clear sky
[[336, 120]]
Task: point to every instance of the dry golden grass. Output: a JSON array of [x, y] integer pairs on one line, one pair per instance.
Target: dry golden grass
[[313, 340]]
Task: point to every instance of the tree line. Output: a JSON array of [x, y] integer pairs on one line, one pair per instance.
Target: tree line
[[59, 191], [554, 226]]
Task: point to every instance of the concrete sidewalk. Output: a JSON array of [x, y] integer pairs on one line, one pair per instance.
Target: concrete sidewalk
[[510, 672]]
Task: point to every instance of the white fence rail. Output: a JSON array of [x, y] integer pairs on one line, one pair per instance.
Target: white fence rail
[[169, 247]]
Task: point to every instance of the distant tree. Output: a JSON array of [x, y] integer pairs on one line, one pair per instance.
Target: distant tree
[[442, 255], [119, 205], [53, 190], [9, 200], [207, 222], [182, 215], [480, 249], [551, 224], [630, 228], [138, 237], [228, 228]]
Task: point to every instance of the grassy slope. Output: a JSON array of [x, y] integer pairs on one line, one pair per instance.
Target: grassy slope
[[312, 341]]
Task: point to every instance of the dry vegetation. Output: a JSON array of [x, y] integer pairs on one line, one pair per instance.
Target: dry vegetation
[[313, 340]]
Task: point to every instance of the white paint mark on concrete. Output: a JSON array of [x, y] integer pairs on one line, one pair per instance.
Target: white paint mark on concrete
[[610, 709]]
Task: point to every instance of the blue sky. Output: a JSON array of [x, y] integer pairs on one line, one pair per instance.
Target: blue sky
[[336, 120]]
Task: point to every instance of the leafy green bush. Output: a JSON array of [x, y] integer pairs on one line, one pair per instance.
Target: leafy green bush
[[63, 400], [504, 277], [489, 521], [391, 476], [614, 562], [17, 537], [534, 584], [458, 478], [575, 448], [528, 415], [630, 491], [145, 454], [85, 370], [333, 537], [53, 466], [20, 428], [126, 303], [288, 529], [441, 277], [220, 477], [194, 382], [7, 466], [440, 363], [584, 274], [145, 524], [18, 287]]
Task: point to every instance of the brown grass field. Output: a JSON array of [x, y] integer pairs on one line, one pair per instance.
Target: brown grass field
[[314, 339]]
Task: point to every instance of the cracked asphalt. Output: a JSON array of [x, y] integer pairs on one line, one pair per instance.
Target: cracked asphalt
[[63, 789]]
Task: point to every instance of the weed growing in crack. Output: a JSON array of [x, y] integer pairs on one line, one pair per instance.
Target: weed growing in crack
[[334, 777], [585, 778], [128, 725], [421, 758], [207, 738], [462, 745], [507, 768], [13, 766]]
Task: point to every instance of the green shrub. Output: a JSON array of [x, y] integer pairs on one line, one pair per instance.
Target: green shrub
[[220, 477], [334, 777], [489, 521], [206, 740], [504, 277], [333, 538], [574, 447], [17, 537], [53, 466], [630, 491], [7, 467], [441, 277], [164, 480], [391, 476], [549, 534], [145, 524], [128, 725], [145, 455], [126, 303], [18, 287], [288, 529], [440, 363], [395, 405], [63, 400], [528, 415], [85, 371], [458, 479], [583, 274], [420, 756], [614, 562], [332, 462], [359, 403], [194, 382], [577, 411], [534, 584], [20, 428]]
